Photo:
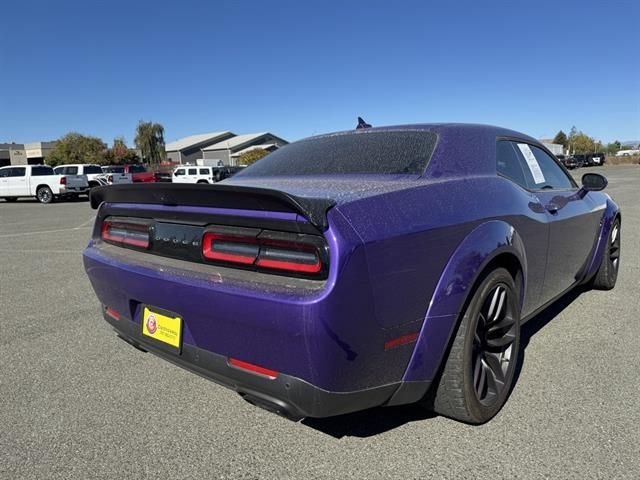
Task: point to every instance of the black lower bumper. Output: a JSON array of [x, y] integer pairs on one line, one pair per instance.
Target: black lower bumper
[[285, 395]]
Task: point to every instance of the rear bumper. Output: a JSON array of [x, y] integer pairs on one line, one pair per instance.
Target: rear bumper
[[285, 395], [73, 190]]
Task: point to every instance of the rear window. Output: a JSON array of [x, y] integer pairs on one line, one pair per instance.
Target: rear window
[[363, 152], [113, 169], [137, 169], [89, 169], [38, 171]]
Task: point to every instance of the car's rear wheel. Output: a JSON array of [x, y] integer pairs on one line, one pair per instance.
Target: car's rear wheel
[[478, 373], [44, 195], [607, 275]]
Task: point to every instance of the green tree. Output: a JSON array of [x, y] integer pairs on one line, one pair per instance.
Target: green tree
[[150, 141], [582, 143], [560, 138], [77, 148], [612, 148], [120, 153], [252, 156]]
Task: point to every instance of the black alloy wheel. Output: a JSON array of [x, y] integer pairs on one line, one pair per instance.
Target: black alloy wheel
[[478, 374]]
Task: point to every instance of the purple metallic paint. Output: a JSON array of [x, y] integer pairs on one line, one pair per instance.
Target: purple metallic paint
[[405, 254]]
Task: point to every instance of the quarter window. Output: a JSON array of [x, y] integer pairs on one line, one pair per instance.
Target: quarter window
[[204, 171], [508, 163]]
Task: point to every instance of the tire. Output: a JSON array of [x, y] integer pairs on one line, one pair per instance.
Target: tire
[[607, 274], [44, 194], [478, 374]]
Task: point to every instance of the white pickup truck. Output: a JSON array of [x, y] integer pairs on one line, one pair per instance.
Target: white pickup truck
[[41, 182], [93, 172]]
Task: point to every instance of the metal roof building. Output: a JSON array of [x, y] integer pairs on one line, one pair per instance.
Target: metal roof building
[[188, 149], [230, 149]]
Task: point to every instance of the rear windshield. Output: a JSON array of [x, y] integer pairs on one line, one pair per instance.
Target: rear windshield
[[38, 171], [363, 152], [92, 169], [137, 169], [113, 169]]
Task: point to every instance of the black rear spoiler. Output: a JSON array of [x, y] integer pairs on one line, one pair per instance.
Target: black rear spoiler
[[219, 196]]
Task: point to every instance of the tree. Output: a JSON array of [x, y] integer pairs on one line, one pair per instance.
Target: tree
[[150, 141], [252, 156], [120, 153], [560, 138], [77, 148], [612, 148], [582, 143]]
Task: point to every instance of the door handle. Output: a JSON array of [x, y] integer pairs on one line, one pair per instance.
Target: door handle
[[552, 208]]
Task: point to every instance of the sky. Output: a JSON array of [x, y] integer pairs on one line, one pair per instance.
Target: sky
[[299, 68]]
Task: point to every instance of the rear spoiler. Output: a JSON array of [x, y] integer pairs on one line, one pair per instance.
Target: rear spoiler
[[218, 196]]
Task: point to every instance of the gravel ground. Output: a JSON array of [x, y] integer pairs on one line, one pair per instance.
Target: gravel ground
[[79, 403]]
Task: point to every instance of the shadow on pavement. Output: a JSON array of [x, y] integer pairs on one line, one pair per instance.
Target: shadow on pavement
[[374, 421]]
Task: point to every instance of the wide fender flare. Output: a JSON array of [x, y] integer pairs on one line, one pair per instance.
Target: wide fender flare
[[611, 211], [482, 245]]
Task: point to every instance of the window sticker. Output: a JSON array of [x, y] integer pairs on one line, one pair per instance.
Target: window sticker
[[534, 167]]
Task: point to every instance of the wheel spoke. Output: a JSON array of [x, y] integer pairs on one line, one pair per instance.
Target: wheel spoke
[[494, 362], [502, 341]]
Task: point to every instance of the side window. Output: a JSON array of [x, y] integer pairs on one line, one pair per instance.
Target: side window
[[71, 171], [179, 172], [4, 172], [58, 170], [554, 176], [204, 171], [17, 172], [508, 163], [193, 171]]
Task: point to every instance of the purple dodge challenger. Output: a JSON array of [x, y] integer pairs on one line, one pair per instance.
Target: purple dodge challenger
[[381, 266]]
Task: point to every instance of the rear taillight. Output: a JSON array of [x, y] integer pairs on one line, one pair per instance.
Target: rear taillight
[[127, 232], [266, 250], [63, 180], [110, 178]]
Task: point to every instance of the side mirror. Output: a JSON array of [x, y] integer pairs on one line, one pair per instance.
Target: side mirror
[[593, 182]]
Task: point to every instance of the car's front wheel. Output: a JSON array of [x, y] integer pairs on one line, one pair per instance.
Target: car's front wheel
[[478, 373]]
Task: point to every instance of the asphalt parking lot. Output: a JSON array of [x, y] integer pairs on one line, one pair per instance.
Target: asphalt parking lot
[[76, 402]]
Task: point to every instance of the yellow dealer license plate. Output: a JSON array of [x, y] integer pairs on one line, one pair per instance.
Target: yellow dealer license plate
[[163, 327]]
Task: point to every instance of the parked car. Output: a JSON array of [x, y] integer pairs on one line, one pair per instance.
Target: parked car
[[570, 162], [115, 175], [227, 171], [193, 174], [594, 159], [41, 182], [382, 266], [139, 173], [92, 172]]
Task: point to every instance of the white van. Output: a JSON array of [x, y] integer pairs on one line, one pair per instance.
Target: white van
[[193, 174]]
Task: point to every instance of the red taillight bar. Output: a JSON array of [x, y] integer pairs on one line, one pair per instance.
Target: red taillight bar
[[125, 233], [229, 248], [270, 374], [267, 250]]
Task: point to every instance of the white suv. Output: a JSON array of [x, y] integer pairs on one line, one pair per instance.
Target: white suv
[[194, 174]]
